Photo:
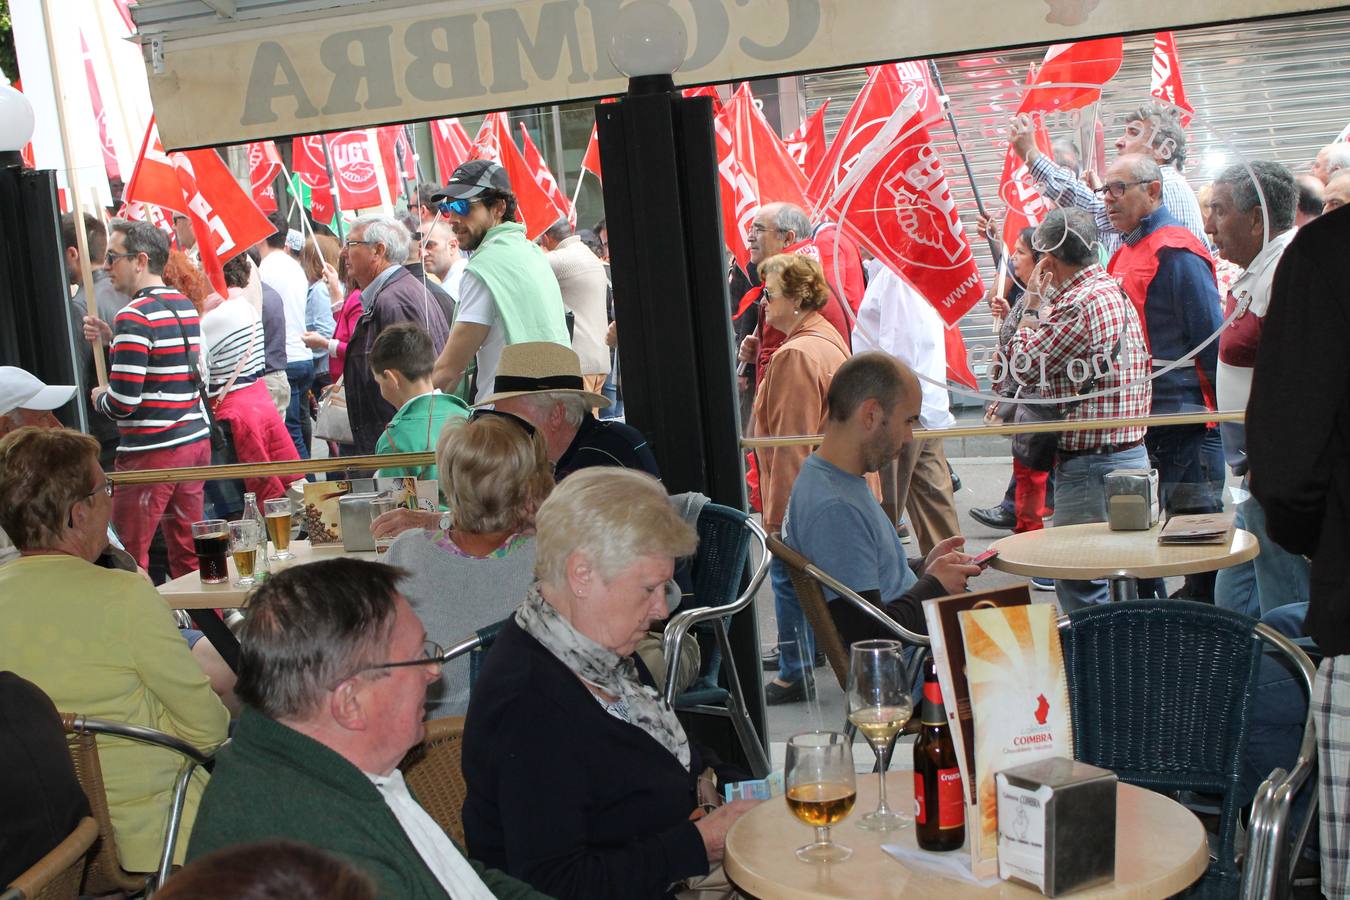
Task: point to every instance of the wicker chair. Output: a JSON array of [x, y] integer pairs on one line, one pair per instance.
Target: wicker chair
[[57, 876], [1160, 692], [722, 588], [433, 773], [104, 874]]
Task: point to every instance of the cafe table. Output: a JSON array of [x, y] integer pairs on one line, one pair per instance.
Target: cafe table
[[1093, 551], [188, 592], [1160, 849]]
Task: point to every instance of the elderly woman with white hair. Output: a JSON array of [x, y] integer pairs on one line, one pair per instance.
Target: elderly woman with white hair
[[374, 250], [580, 780]]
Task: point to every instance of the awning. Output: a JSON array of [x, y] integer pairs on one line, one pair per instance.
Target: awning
[[270, 69]]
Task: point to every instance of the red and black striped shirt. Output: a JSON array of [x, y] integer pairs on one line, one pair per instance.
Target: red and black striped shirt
[[152, 379]]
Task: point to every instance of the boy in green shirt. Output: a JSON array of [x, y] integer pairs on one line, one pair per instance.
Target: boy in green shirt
[[401, 361]]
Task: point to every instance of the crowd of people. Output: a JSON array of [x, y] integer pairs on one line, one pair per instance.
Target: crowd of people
[[555, 524]]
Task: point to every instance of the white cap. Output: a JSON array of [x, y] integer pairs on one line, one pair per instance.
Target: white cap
[[22, 390]]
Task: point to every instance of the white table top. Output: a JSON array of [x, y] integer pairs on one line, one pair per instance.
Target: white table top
[[1160, 849], [188, 592], [1095, 551]]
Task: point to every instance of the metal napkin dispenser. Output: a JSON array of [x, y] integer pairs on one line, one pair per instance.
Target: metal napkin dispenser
[[354, 510], [1132, 499]]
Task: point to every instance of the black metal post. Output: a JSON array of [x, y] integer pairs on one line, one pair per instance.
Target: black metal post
[[671, 306], [36, 329]]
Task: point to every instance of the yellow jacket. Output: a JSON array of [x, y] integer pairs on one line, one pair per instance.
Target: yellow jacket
[[102, 642]]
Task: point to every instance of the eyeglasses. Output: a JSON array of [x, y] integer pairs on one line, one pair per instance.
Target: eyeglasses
[[484, 413], [112, 257], [433, 654], [758, 229], [1116, 189], [458, 207], [351, 243], [106, 487]]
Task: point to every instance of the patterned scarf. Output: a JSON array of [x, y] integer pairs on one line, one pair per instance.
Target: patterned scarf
[[614, 674]]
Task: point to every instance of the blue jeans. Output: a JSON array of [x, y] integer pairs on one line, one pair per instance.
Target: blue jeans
[[1273, 579], [611, 391], [1080, 497], [792, 626], [301, 376]]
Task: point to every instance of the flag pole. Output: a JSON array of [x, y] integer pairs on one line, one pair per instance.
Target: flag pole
[[333, 188], [994, 250], [76, 199]]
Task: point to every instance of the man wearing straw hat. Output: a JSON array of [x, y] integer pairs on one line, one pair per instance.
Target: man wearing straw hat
[[541, 382], [508, 294]]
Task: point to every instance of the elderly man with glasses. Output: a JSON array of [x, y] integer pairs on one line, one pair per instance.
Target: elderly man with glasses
[[375, 250], [508, 293], [334, 669]]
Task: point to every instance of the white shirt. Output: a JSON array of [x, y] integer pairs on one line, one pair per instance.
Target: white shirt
[[444, 860], [283, 274], [895, 318], [477, 306], [452, 279]]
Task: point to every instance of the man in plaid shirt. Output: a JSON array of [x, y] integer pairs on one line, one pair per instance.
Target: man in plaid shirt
[[1079, 334]]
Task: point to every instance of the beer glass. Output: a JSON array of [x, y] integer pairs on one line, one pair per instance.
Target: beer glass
[[278, 513], [244, 540], [879, 705], [211, 540], [820, 789], [378, 507]]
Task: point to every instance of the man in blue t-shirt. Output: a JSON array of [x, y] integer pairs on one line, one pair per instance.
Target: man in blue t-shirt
[[834, 520]]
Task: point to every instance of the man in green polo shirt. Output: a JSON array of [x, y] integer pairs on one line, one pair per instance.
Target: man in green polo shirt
[[509, 294]]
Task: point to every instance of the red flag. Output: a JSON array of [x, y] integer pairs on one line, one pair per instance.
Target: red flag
[[100, 113], [958, 361], [543, 176], [591, 161], [198, 184], [1166, 83], [395, 158], [885, 89], [740, 204], [494, 142], [451, 144], [806, 145], [764, 159], [264, 165], [354, 169], [894, 199], [307, 161], [1072, 75], [1024, 205]]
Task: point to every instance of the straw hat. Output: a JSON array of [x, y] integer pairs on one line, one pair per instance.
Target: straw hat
[[539, 367]]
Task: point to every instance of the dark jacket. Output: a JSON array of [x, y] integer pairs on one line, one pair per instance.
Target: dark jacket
[[1298, 419], [416, 270], [400, 299], [563, 795], [274, 783], [274, 330]]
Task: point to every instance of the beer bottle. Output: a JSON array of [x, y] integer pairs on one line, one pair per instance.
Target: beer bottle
[[939, 796]]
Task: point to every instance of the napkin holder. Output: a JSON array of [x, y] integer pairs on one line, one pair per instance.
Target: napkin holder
[[1056, 825], [355, 513], [1132, 499]]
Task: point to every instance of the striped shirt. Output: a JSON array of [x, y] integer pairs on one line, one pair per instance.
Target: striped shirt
[[226, 331], [1063, 188], [1089, 314], [152, 389]]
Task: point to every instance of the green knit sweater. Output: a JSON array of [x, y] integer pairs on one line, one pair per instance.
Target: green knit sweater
[[523, 285], [271, 782]]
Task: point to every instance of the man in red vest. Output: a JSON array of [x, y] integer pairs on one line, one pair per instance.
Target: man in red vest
[[1168, 275]]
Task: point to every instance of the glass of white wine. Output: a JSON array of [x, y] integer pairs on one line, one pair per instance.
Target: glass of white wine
[[879, 705], [821, 789]]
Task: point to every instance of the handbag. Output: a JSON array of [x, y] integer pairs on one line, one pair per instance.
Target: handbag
[[1037, 450], [333, 423]]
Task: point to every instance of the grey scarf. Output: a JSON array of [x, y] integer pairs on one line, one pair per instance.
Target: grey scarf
[[614, 674]]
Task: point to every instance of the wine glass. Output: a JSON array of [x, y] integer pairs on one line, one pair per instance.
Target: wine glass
[[821, 789], [879, 705], [244, 540]]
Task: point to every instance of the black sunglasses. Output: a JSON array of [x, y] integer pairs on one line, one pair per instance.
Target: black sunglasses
[[484, 412]]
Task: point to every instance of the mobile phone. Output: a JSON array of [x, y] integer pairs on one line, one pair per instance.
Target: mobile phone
[[985, 558]]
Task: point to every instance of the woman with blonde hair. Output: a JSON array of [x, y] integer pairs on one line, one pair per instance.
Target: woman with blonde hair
[[791, 401], [580, 780], [474, 569]]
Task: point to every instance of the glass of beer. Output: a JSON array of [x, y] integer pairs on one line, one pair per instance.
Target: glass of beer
[[244, 540], [879, 705], [378, 507], [278, 514], [820, 789], [211, 539]]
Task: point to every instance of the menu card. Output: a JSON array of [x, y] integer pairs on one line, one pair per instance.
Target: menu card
[[1201, 528], [1019, 700], [949, 656]]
